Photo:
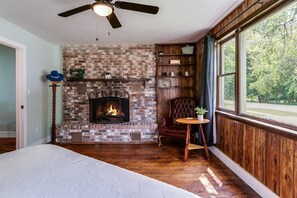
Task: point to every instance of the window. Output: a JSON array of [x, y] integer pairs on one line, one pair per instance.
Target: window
[[267, 69], [227, 75]]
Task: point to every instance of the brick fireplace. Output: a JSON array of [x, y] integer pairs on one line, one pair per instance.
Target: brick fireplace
[[122, 62]]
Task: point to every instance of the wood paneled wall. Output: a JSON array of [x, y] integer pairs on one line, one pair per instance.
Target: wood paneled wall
[[269, 157], [231, 22]]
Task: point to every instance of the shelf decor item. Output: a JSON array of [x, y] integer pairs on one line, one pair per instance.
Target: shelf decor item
[[200, 111], [188, 49], [107, 75], [164, 83], [77, 74], [174, 62], [164, 74]]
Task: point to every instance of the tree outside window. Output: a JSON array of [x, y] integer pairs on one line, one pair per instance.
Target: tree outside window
[[227, 75], [267, 70]]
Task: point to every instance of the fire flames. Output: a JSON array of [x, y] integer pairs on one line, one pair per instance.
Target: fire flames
[[112, 111]]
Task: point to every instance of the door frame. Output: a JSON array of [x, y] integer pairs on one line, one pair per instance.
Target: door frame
[[21, 87]]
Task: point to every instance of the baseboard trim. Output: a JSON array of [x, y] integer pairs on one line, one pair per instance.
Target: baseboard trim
[[7, 134], [255, 184]]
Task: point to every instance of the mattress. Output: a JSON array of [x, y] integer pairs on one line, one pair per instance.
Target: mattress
[[53, 171]]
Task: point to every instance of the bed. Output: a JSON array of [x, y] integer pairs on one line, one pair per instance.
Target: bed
[[53, 171]]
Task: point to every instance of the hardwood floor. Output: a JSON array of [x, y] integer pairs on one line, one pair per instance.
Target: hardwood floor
[[7, 144], [198, 175], [204, 178]]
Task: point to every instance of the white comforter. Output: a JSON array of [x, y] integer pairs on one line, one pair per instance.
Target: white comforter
[[52, 171]]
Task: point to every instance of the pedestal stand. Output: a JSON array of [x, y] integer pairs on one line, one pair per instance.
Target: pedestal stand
[[55, 77], [54, 88]]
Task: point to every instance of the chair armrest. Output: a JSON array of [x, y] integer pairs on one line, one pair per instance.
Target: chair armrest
[[162, 122]]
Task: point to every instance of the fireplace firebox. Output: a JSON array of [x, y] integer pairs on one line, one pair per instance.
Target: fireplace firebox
[[109, 107]]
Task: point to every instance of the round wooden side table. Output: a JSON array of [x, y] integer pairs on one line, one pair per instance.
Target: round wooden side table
[[189, 122]]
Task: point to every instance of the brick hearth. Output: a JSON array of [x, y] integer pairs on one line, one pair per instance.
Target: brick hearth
[[107, 132], [136, 61]]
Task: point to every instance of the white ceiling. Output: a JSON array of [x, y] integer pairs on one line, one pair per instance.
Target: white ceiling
[[177, 21]]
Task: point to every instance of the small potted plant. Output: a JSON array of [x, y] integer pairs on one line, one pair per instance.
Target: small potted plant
[[200, 111]]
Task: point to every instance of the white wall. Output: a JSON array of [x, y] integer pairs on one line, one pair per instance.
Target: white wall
[[42, 57]]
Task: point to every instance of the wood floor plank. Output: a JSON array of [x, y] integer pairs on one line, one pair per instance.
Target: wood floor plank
[[7, 144], [198, 175]]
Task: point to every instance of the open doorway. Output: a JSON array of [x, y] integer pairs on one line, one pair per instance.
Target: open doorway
[[7, 99], [13, 122]]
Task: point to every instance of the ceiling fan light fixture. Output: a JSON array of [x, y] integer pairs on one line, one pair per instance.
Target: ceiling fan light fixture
[[102, 9]]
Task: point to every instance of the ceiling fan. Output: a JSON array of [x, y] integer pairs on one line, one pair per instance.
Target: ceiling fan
[[106, 8]]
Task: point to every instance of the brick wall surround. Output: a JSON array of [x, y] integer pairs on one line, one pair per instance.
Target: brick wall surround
[[136, 61]]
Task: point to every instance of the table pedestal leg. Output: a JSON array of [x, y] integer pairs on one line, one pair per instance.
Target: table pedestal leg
[[187, 142], [204, 142]]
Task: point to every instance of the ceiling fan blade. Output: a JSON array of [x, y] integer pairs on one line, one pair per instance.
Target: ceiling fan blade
[[136, 7], [113, 20], [75, 10]]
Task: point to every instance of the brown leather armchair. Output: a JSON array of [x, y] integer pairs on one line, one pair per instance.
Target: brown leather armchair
[[179, 108]]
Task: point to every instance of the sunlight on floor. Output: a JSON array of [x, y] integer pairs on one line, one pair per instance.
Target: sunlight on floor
[[206, 183], [218, 181]]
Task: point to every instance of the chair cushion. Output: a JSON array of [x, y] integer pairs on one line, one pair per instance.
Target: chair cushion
[[173, 130]]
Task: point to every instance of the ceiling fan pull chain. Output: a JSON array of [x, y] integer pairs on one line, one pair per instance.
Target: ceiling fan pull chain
[[97, 32]]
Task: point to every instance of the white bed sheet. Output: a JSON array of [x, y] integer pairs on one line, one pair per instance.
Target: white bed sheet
[[52, 171]]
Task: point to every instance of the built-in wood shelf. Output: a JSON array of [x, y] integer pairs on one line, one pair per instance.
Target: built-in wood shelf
[[175, 55], [186, 64], [175, 87], [170, 87], [175, 76]]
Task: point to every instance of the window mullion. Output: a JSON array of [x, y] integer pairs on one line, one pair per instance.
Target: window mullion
[[237, 70], [242, 74]]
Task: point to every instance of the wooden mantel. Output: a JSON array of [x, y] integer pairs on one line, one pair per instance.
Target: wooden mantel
[[124, 80]]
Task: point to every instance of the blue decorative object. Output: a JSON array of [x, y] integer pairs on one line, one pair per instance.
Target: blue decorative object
[[54, 76]]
